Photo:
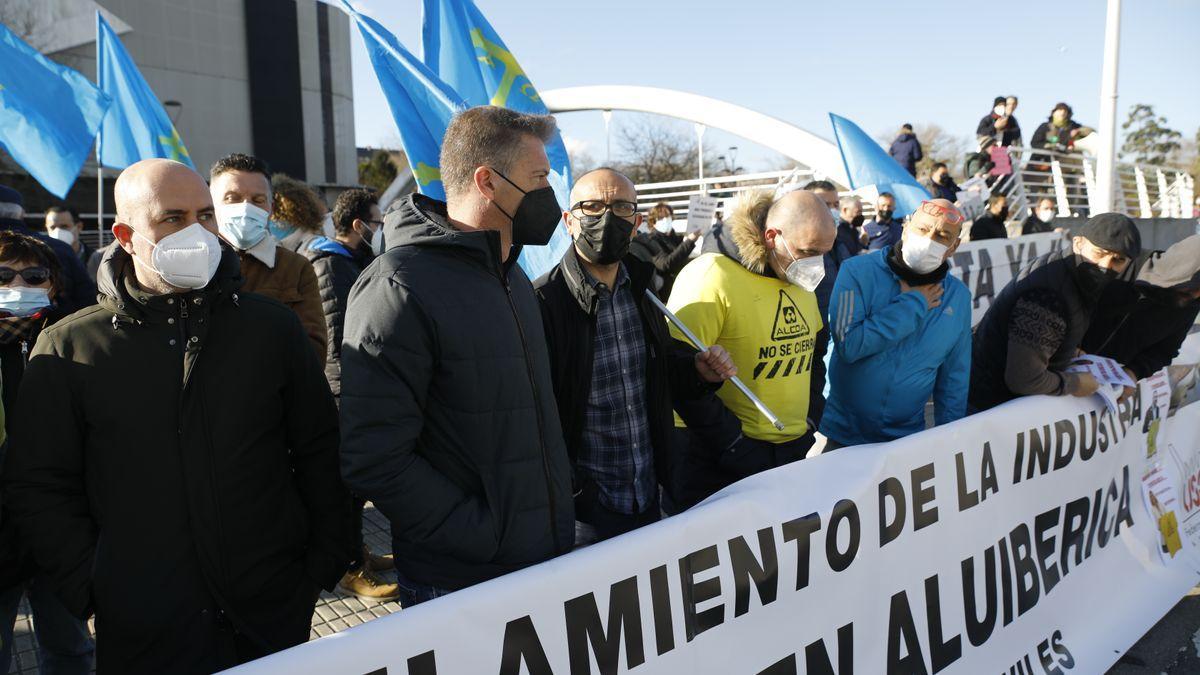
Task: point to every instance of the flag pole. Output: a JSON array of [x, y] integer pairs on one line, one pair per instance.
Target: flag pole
[[99, 195], [762, 407], [99, 135]]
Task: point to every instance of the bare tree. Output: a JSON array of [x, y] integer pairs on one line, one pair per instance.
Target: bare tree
[[20, 18], [581, 161], [654, 151], [940, 145]]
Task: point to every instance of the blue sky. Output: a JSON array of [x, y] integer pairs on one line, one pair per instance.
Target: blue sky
[[877, 62]]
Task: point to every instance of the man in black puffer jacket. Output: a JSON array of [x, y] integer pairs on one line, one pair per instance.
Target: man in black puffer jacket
[[1032, 330], [338, 262], [174, 450], [449, 424]]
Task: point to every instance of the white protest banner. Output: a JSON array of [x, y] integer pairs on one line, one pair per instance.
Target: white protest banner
[[1017, 538], [987, 266], [701, 210]]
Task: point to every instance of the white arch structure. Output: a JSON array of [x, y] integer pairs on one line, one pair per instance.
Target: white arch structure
[[809, 149]]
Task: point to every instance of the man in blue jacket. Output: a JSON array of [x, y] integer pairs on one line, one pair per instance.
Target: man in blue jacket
[[901, 330]]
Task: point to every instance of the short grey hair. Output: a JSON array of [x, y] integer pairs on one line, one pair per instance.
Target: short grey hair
[[848, 200], [486, 136]]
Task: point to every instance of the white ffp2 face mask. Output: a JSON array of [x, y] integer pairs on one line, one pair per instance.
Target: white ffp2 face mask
[[807, 273], [64, 235], [922, 254], [185, 259]]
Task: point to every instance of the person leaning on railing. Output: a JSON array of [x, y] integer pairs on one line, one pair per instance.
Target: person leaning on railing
[[1033, 328]]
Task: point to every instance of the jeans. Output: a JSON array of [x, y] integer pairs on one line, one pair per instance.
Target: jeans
[[64, 645], [414, 592]]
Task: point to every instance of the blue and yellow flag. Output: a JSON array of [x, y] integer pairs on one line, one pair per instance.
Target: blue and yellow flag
[[867, 163], [466, 52], [49, 114], [421, 103], [136, 126]]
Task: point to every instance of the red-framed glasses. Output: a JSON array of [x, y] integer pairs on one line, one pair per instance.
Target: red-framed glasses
[[951, 214]]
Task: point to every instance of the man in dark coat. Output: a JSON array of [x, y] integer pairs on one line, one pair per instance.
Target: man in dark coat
[[1033, 329], [850, 236], [939, 183], [664, 248], [906, 149], [615, 366], [449, 424], [884, 229], [77, 290], [174, 453], [1000, 123], [991, 224], [1142, 324], [337, 263], [1041, 218]]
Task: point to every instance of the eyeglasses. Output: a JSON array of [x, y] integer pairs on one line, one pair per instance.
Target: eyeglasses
[[34, 276], [950, 213], [594, 208]]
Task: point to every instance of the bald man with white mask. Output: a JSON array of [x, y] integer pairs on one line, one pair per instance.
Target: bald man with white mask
[[194, 466], [760, 307], [901, 330]]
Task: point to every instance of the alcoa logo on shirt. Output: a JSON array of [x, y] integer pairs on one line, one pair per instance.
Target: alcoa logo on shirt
[[791, 329]]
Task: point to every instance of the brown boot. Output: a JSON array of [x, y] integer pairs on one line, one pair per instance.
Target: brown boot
[[364, 584], [377, 563]]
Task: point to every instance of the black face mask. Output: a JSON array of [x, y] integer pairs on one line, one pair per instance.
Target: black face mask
[[1092, 278], [604, 240], [886, 215], [536, 216], [945, 179], [1003, 214], [858, 221]]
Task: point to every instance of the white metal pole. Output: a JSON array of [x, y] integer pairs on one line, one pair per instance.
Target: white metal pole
[[700, 151], [699, 344], [607, 114], [1106, 157]]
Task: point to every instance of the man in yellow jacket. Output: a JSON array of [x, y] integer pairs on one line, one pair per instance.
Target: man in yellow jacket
[[761, 308]]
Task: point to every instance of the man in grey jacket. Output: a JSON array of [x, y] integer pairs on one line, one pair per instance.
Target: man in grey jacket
[[449, 423]]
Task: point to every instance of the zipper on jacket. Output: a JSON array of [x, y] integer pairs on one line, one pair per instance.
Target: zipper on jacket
[[537, 406]]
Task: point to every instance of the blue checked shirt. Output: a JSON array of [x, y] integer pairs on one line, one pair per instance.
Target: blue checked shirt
[[617, 453]]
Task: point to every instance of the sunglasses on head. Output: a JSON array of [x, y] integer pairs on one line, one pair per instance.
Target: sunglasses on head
[[950, 213], [33, 276]]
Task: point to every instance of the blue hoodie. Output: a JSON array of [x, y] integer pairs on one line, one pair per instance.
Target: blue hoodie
[[890, 354]]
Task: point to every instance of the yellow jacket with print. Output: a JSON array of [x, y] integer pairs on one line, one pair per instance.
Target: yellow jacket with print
[[771, 328]]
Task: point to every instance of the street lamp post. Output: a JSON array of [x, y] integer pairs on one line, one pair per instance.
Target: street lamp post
[[1106, 159]]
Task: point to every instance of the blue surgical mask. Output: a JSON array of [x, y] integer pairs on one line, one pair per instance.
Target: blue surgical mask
[[242, 225], [23, 300], [280, 230]]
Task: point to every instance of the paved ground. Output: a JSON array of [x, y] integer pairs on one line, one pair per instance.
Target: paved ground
[[1172, 647], [334, 613]]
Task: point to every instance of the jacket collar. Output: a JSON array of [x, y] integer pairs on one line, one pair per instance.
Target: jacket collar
[[120, 294], [418, 220], [264, 251], [583, 288]]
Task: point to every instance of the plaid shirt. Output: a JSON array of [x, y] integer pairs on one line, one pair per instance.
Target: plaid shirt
[[617, 453]]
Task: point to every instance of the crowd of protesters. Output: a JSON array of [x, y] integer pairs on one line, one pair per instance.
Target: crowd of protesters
[[201, 428]]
